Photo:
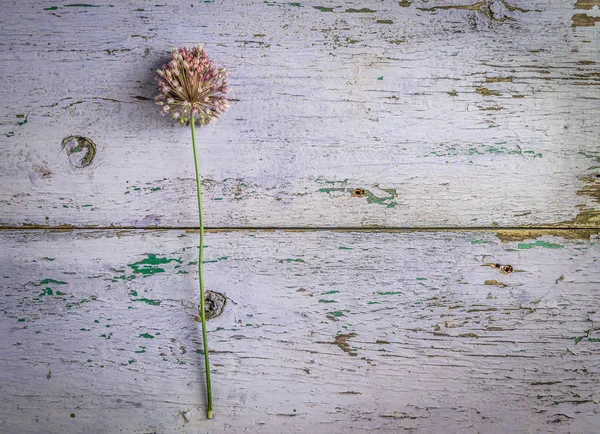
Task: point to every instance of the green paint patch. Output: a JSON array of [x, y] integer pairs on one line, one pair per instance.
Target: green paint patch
[[330, 189], [73, 415], [389, 201], [141, 351], [81, 5], [49, 281], [323, 9], [124, 277], [148, 301], [10, 134], [336, 313], [373, 302], [330, 292], [51, 8], [345, 248], [389, 293], [576, 339], [479, 242], [146, 336], [327, 301], [540, 243], [421, 278], [21, 320], [46, 291], [482, 149], [298, 5], [149, 265], [291, 260], [593, 339], [380, 78]]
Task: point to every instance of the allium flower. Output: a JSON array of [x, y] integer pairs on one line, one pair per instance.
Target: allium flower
[[190, 85], [192, 88]]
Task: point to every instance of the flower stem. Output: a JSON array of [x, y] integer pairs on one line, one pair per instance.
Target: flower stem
[[201, 276]]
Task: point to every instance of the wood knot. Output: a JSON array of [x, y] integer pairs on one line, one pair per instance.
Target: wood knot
[[80, 150], [214, 304]]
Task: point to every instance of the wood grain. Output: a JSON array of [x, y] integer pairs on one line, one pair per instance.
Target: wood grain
[[379, 114], [323, 332]]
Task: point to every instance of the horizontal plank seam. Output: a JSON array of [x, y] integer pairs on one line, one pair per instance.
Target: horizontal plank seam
[[306, 228]]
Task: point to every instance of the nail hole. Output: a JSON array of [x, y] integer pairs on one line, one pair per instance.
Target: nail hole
[[358, 192], [80, 150], [506, 269], [214, 303]]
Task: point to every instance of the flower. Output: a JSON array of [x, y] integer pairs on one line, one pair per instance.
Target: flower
[[191, 86]]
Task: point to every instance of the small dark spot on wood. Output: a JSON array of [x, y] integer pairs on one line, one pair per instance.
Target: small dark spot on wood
[[43, 171]]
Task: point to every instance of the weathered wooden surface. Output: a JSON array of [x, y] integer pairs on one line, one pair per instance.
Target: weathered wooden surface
[[447, 113], [323, 332], [441, 113]]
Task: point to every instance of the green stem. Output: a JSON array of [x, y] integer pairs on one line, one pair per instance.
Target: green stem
[[201, 276]]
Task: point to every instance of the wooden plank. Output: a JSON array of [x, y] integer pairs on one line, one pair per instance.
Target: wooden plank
[[354, 114], [322, 332]]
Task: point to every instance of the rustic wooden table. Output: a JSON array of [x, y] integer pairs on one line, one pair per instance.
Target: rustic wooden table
[[403, 204]]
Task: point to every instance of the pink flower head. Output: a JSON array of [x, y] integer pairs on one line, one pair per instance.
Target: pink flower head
[[190, 85]]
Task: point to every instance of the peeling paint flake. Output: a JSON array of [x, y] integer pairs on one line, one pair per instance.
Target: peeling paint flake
[[540, 243], [360, 11], [587, 4], [323, 9], [148, 301], [149, 266]]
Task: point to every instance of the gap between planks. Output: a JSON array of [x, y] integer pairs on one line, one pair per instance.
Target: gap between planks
[[308, 228]]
